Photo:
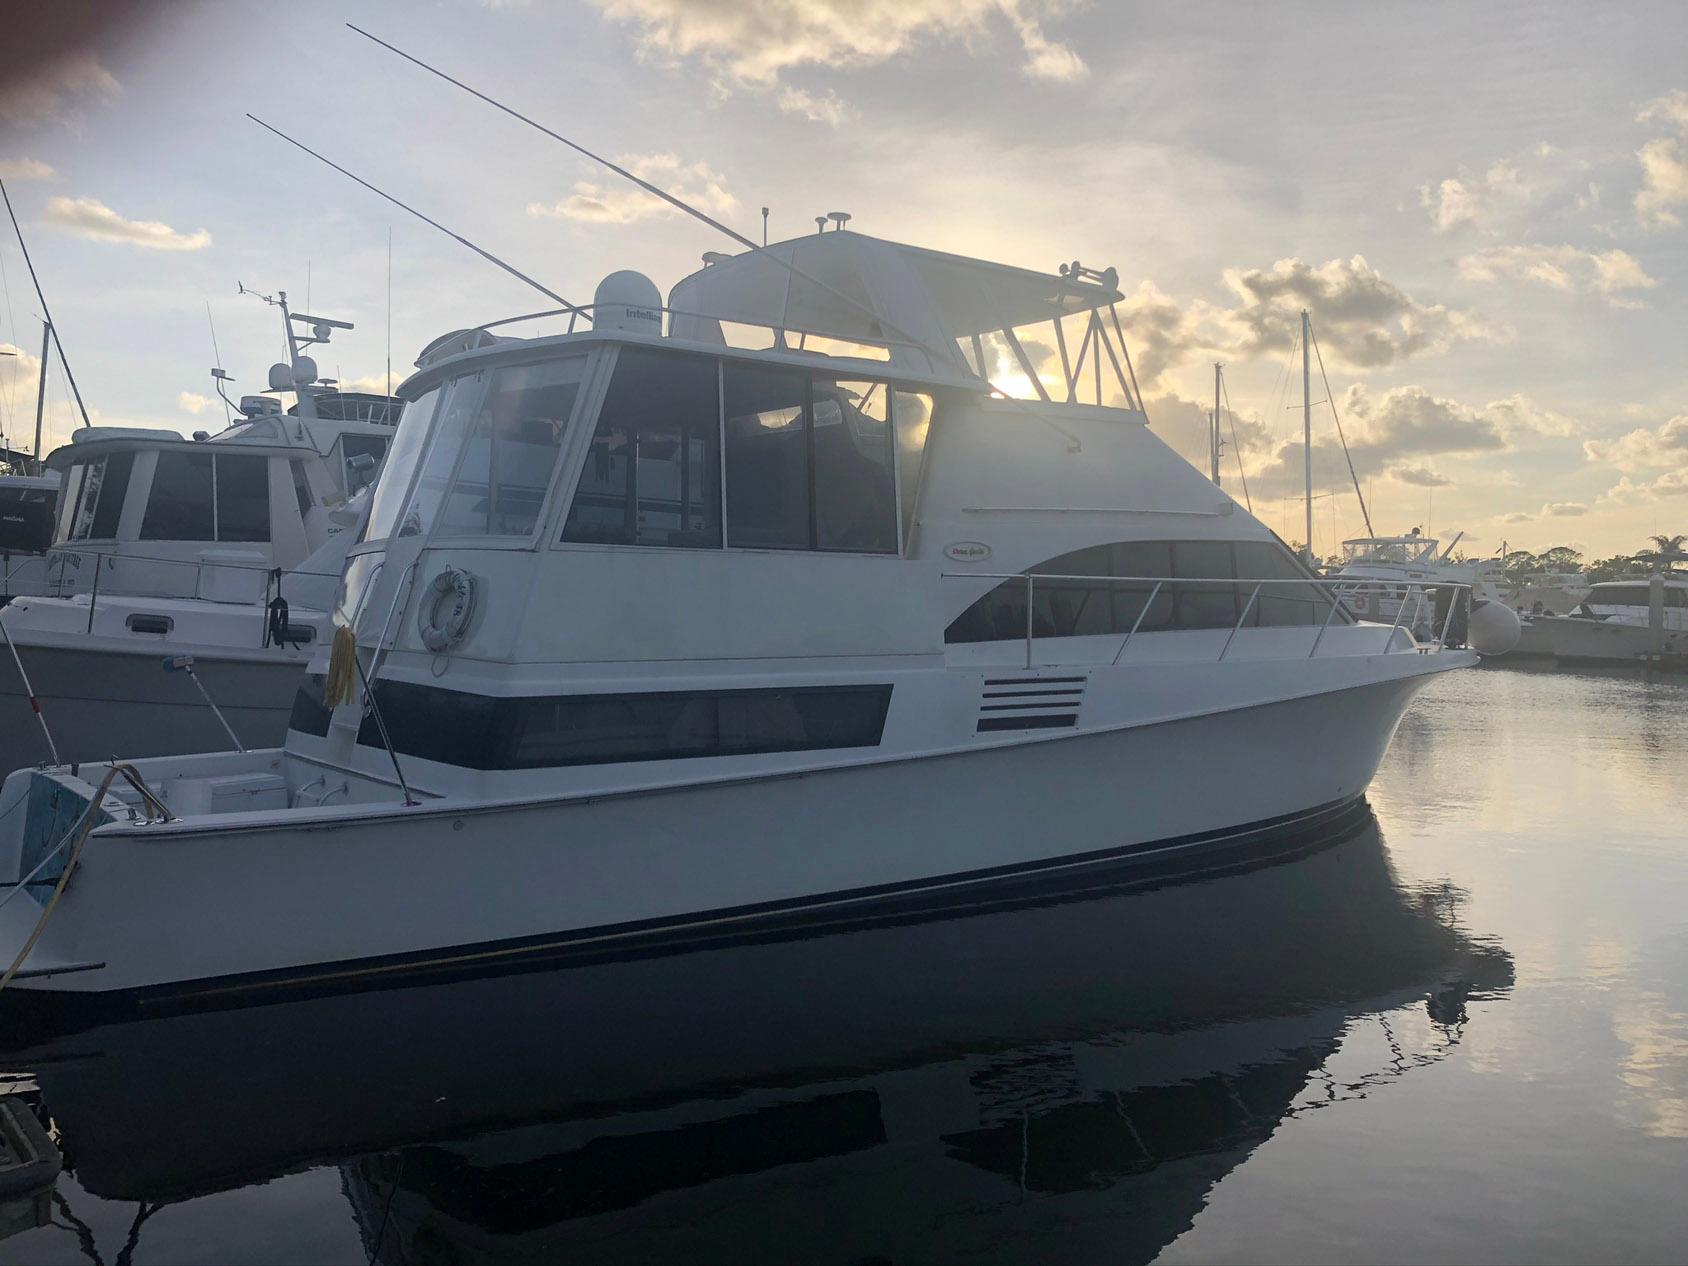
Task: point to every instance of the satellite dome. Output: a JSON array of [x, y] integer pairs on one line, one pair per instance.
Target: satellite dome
[[627, 300]]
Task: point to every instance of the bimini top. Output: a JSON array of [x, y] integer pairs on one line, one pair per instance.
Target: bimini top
[[866, 289]]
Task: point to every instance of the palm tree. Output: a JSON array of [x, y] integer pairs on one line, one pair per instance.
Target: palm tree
[[1667, 550]]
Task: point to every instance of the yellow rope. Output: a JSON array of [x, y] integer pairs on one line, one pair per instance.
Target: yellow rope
[[342, 668]]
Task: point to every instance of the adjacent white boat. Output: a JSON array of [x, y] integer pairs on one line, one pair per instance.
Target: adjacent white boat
[[26, 530], [1414, 565], [165, 546], [1547, 592], [670, 640], [1614, 625]]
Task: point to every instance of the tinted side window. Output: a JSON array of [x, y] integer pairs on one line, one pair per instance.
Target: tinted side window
[[179, 508], [114, 488], [769, 458], [243, 498], [1078, 607], [653, 473], [855, 489]]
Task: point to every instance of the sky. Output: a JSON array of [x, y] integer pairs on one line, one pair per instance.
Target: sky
[[1485, 209]]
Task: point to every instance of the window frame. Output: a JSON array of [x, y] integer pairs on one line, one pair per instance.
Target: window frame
[[574, 463], [593, 382]]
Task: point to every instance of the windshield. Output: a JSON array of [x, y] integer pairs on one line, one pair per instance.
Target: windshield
[[402, 458]]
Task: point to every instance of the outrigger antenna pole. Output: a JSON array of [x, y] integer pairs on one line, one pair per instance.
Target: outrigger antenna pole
[[45, 311], [677, 203], [517, 273]]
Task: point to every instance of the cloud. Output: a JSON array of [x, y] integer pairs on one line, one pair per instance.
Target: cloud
[[193, 402], [375, 384], [1611, 274], [695, 183], [55, 90], [1419, 477], [1509, 189], [1664, 163], [826, 107], [1645, 448], [21, 169], [1361, 320], [1673, 483], [92, 218], [1182, 425], [1550, 510], [1393, 434], [753, 45], [1160, 334]]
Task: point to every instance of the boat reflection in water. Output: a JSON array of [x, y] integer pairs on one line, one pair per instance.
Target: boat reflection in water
[[1070, 1078]]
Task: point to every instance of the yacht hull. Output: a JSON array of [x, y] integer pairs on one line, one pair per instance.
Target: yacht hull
[[383, 896], [100, 702], [1609, 642]]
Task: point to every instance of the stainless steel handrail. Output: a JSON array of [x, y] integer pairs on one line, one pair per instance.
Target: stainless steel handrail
[[781, 332], [1328, 589]]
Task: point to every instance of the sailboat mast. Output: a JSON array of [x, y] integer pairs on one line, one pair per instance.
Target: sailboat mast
[[1307, 424], [41, 388], [1213, 431]]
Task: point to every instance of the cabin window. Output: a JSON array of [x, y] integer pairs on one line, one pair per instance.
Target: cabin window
[[302, 488], [363, 446], [243, 497], [68, 493], [1081, 608], [402, 459], [179, 507], [653, 471], [482, 732], [769, 482], [855, 487], [456, 411], [103, 488], [911, 414], [500, 484]]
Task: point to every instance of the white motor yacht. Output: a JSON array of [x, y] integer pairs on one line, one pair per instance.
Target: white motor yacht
[[717, 617], [1416, 567], [224, 548], [1615, 624]]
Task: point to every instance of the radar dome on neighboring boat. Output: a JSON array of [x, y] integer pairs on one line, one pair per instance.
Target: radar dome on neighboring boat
[[627, 300]]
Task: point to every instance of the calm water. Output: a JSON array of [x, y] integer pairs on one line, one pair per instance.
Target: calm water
[[1461, 1036]]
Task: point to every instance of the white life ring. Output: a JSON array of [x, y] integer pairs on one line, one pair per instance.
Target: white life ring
[[453, 589]]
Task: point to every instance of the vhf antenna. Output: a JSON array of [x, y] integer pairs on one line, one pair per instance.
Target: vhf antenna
[[517, 273], [677, 203], [953, 357]]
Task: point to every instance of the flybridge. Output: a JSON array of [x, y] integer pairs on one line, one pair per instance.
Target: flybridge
[[915, 302]]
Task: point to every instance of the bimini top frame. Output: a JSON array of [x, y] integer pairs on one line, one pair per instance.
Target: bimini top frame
[[969, 309]]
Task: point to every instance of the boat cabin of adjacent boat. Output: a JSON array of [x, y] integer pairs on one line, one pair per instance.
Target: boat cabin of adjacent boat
[[205, 518]]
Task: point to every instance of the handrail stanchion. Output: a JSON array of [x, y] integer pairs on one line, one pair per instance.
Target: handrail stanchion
[[1448, 620], [1247, 607], [1028, 619], [1390, 639], [94, 596], [1153, 594], [1333, 592]]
